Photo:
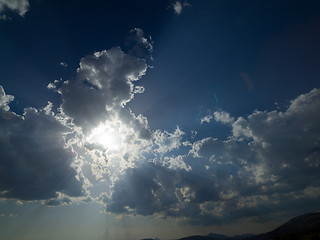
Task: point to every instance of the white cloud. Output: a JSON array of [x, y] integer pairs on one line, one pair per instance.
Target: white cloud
[[166, 141], [63, 64], [206, 119], [175, 163], [179, 5], [5, 99], [219, 116], [109, 137], [20, 6], [103, 86], [223, 117]]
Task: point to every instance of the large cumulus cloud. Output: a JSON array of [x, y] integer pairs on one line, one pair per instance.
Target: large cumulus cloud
[[287, 142], [96, 97], [109, 136], [104, 84], [269, 164]]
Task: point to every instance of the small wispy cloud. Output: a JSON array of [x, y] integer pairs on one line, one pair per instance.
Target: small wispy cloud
[[63, 64], [218, 116], [178, 6], [223, 117], [206, 119], [139, 44], [19, 6]]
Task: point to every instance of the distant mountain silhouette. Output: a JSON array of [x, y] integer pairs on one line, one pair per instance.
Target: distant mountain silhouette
[[304, 227], [218, 236], [213, 236]]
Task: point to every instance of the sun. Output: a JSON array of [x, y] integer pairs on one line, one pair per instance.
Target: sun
[[106, 136]]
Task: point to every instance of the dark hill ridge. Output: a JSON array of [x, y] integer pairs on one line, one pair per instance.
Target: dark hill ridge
[[310, 220], [304, 227], [213, 236]]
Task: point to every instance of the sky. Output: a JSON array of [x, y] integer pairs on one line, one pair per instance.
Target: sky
[[158, 119]]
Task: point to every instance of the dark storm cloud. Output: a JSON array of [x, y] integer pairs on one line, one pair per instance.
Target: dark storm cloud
[[144, 190], [35, 164], [153, 189], [269, 164]]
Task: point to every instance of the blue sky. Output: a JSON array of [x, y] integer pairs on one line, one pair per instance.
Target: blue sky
[[158, 119]]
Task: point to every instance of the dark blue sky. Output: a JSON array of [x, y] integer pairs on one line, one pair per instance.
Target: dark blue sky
[[198, 54], [186, 116]]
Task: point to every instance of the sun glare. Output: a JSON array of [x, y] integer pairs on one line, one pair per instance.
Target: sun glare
[[106, 136]]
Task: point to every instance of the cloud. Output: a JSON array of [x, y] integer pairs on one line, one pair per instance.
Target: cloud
[[95, 100], [108, 136], [20, 6], [219, 116], [144, 190], [223, 117], [63, 64], [96, 145], [57, 202], [5, 100], [287, 142], [103, 86], [179, 5], [206, 119], [168, 141], [62, 199], [139, 45], [47, 155], [35, 163], [269, 164], [175, 163]]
